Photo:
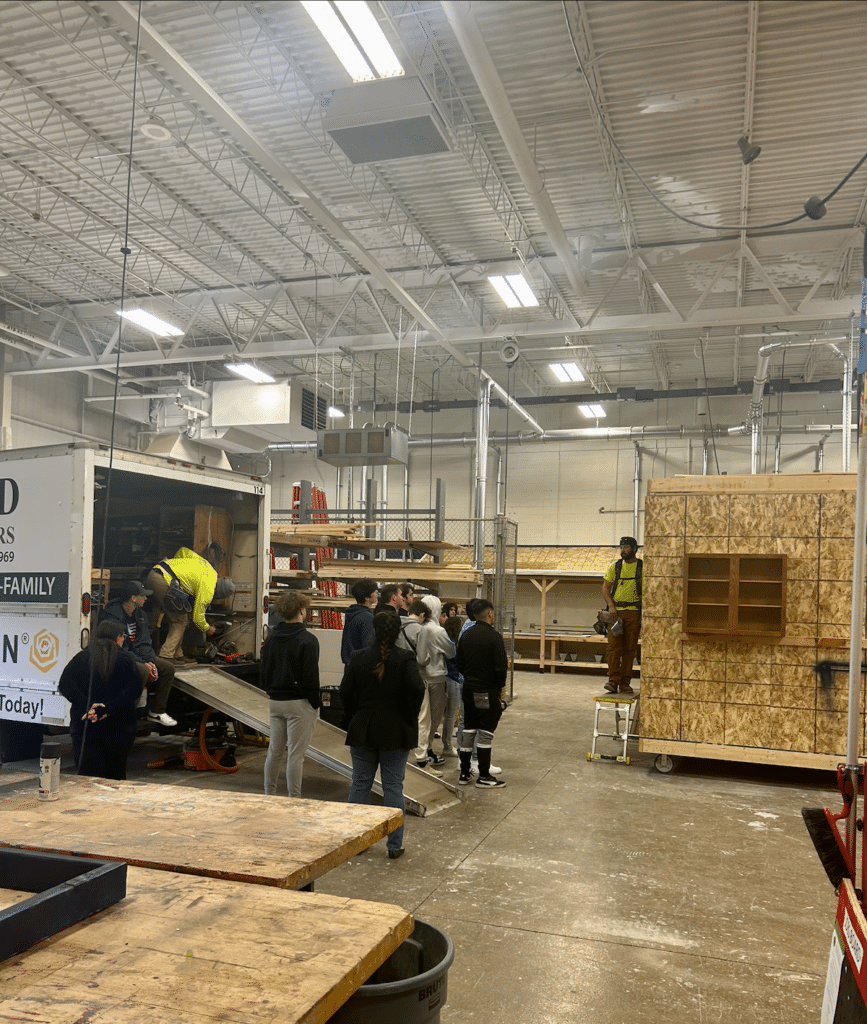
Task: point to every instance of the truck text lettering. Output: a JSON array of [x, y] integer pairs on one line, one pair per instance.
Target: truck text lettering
[[20, 706], [10, 649]]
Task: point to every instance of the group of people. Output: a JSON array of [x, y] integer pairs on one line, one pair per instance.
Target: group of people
[[410, 666], [120, 671]]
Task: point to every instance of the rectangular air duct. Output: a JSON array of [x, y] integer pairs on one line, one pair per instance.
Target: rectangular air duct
[[369, 446], [386, 120]]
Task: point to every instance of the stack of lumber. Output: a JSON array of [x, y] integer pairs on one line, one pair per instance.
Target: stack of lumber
[[346, 568], [316, 534]]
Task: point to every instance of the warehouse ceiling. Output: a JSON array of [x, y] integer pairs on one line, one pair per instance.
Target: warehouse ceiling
[[592, 146]]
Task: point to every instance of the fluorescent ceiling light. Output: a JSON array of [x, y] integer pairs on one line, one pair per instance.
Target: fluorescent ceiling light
[[251, 372], [566, 372], [375, 52], [336, 412], [513, 290], [593, 412], [150, 323]]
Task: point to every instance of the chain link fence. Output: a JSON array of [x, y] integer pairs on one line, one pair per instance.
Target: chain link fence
[[456, 559]]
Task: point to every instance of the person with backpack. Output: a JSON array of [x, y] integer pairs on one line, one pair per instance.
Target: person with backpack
[[622, 592]]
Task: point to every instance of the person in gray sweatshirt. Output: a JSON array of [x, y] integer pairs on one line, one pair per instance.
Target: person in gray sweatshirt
[[434, 646]]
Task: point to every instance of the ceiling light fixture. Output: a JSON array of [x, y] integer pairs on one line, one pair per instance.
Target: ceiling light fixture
[[336, 412], [250, 372], [749, 151], [593, 412], [353, 33], [567, 372], [4, 270], [155, 129], [151, 323], [514, 290]]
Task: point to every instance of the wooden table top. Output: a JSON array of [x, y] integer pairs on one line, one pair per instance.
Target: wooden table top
[[243, 837], [185, 949]]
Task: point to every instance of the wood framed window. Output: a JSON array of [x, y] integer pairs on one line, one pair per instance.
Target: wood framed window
[[735, 594]]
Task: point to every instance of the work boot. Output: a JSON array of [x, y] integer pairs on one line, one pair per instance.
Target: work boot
[[611, 687]]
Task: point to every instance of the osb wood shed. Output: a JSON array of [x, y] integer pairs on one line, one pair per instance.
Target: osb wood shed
[[742, 697]]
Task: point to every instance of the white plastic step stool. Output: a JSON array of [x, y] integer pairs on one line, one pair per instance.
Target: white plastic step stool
[[625, 710]]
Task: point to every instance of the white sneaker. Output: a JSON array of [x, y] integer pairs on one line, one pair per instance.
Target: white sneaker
[[494, 770], [167, 720], [426, 766]]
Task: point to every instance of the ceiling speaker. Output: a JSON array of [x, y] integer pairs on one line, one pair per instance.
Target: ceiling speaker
[[509, 352]]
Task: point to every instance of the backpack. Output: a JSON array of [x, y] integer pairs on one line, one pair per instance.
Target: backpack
[[639, 570]]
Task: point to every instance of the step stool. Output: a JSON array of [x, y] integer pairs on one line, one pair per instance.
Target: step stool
[[625, 710]]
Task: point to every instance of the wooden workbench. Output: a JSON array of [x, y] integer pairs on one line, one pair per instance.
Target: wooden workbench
[[268, 840], [183, 949]]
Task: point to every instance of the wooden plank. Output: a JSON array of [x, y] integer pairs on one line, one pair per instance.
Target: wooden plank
[[341, 568], [212, 523], [729, 752], [185, 950], [776, 483], [429, 546], [244, 837]]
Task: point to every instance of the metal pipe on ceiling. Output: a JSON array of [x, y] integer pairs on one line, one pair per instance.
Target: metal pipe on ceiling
[[463, 22], [753, 422]]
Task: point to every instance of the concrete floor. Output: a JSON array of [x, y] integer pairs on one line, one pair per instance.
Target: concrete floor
[[595, 891]]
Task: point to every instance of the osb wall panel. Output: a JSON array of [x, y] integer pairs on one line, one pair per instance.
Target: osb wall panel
[[739, 692]]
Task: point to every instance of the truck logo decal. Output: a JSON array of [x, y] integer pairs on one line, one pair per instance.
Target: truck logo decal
[[8, 496], [34, 587], [45, 650]]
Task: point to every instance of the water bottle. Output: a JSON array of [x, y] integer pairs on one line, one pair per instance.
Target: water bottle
[[49, 771]]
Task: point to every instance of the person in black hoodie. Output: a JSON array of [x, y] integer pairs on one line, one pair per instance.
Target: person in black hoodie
[[382, 694], [103, 685], [126, 608], [290, 677], [358, 619]]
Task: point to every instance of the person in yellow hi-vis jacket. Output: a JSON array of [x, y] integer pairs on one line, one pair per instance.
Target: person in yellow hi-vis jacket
[[183, 586]]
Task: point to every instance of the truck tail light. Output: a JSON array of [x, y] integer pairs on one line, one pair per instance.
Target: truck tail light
[[85, 604]]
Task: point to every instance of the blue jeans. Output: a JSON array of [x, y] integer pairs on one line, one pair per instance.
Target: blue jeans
[[392, 768]]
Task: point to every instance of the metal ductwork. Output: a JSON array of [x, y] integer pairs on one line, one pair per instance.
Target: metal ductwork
[[753, 423]]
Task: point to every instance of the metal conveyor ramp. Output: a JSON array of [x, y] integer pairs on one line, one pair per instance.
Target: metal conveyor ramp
[[424, 794]]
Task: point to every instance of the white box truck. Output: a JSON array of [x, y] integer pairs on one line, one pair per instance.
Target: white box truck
[[52, 563]]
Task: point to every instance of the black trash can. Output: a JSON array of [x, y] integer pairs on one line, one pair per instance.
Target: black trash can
[[409, 988], [332, 705]]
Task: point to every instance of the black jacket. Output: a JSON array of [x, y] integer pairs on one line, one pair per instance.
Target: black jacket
[[141, 648], [290, 664], [119, 693], [357, 631], [382, 714], [481, 658]]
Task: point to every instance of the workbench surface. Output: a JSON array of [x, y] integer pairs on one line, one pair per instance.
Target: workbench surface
[[243, 837], [185, 949]]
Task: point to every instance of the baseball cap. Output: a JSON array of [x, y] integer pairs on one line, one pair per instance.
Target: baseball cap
[[631, 541], [132, 588]]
